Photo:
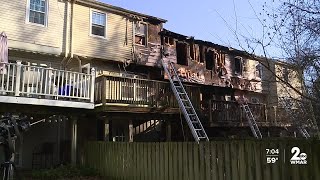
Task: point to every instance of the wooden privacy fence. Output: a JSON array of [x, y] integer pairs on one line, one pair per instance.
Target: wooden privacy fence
[[217, 160]]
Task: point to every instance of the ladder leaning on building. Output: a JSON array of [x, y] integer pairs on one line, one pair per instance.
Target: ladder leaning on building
[[190, 115]]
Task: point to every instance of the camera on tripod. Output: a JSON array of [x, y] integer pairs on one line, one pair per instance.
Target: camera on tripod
[[12, 125]]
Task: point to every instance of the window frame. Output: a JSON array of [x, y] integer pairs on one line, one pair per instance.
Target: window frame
[[105, 27], [285, 74], [259, 68], [169, 41], [241, 66], [45, 18], [146, 33]]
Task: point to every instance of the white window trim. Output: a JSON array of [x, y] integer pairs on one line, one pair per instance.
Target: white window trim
[[46, 15], [106, 26], [146, 37]]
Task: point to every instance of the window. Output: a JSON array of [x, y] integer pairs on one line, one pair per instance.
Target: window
[[37, 12], [210, 60], [192, 52], [285, 74], [201, 49], [182, 53], [259, 70], [141, 33], [238, 66], [169, 41], [98, 24]]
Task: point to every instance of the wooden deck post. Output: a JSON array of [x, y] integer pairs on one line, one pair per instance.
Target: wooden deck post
[[18, 76], [130, 131], [168, 130], [93, 77], [106, 130], [210, 113], [74, 128]]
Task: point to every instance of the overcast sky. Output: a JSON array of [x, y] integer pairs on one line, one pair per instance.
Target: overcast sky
[[215, 21]]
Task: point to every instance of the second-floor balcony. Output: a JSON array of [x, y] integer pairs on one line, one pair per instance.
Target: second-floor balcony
[[35, 85]]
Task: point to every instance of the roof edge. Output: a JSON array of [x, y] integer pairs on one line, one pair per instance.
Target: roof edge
[[221, 47], [96, 3]]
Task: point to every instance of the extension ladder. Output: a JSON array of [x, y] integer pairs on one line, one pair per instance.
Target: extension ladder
[[251, 120], [304, 132], [185, 104]]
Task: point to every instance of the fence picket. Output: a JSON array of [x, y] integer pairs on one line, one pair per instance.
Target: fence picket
[[242, 162], [214, 165], [234, 160], [227, 161], [185, 160], [190, 161], [258, 161]]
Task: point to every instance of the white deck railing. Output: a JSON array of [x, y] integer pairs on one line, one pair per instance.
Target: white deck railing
[[17, 79]]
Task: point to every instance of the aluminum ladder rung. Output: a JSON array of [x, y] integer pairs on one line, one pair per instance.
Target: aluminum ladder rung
[[185, 104], [252, 122]]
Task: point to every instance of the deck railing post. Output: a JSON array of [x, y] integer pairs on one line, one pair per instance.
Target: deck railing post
[[104, 90], [18, 79], [93, 77]]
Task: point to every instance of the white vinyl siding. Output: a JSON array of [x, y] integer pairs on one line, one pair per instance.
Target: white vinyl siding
[[114, 46]]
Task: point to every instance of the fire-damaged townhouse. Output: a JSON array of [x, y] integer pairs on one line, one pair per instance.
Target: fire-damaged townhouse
[[217, 78], [93, 71]]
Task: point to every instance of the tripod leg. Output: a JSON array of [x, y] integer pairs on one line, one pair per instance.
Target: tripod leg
[[5, 173]]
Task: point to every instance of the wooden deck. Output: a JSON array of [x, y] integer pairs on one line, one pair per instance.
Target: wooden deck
[[122, 94], [114, 94], [43, 86]]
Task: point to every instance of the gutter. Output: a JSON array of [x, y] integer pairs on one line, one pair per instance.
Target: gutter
[[119, 10], [71, 27], [66, 50]]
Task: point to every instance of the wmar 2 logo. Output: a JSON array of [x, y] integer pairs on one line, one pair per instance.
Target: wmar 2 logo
[[298, 158]]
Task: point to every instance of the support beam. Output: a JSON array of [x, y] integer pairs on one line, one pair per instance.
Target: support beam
[[106, 130], [210, 112], [74, 128], [130, 131]]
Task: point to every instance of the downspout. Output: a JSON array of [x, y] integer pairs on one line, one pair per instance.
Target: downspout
[[66, 35], [71, 28], [66, 50], [133, 40], [69, 34]]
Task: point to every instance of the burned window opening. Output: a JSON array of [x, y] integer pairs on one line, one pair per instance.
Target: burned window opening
[[259, 70], [141, 33], [285, 74], [169, 41], [201, 54], [238, 66], [210, 60], [192, 52], [182, 54], [221, 69]]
